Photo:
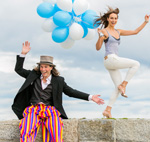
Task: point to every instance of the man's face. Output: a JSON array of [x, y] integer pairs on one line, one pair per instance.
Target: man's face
[[45, 70]]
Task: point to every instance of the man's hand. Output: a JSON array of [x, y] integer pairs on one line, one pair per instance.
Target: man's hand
[[25, 47], [97, 100]]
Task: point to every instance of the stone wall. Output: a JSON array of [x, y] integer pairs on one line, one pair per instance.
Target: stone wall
[[89, 130]]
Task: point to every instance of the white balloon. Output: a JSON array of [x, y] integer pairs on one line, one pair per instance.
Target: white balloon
[[50, 1], [76, 31], [48, 25], [88, 6], [65, 5], [68, 43], [80, 6], [90, 35]]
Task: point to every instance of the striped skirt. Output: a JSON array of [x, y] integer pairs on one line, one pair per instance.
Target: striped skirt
[[47, 117]]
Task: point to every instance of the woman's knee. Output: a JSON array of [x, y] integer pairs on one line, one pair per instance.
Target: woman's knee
[[137, 64]]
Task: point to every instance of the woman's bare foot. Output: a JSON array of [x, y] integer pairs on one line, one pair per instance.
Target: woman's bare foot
[[107, 114], [122, 89]]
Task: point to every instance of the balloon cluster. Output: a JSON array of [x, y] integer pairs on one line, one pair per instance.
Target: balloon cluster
[[68, 20]]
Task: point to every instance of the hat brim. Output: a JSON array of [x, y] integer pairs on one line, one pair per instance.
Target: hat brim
[[46, 64]]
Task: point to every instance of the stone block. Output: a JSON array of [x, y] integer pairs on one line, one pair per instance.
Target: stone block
[[9, 131], [89, 130], [70, 130], [132, 130], [70, 133], [96, 130]]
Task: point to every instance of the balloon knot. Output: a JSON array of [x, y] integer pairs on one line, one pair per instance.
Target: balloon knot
[[77, 19]]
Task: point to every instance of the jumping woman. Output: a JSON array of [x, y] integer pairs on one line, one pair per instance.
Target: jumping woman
[[112, 62]]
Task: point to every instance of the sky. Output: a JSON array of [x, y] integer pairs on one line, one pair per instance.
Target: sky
[[81, 66]]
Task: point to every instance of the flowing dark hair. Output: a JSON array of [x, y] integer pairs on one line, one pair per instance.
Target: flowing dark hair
[[54, 71], [102, 20]]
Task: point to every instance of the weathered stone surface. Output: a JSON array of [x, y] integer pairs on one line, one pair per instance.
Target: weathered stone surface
[[95, 141], [96, 130], [39, 136], [70, 130], [132, 130], [88, 130], [9, 131]]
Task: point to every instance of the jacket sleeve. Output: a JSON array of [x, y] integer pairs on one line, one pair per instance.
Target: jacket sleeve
[[74, 93], [19, 67]]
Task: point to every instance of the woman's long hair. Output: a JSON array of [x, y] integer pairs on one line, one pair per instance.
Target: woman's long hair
[[102, 20], [54, 71]]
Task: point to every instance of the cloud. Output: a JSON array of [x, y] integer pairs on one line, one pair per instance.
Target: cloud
[[82, 66], [90, 110], [7, 114]]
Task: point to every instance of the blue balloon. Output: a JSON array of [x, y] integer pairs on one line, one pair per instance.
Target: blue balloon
[[88, 18], [73, 1], [84, 28], [57, 8], [62, 18], [89, 11], [45, 10], [60, 34]]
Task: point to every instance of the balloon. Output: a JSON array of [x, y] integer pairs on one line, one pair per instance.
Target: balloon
[[80, 6], [90, 35], [68, 43], [65, 5], [57, 8], [45, 10], [50, 1], [84, 28], [60, 34], [48, 25], [68, 20], [76, 31], [62, 18], [88, 18]]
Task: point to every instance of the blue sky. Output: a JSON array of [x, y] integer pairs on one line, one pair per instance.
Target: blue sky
[[82, 66]]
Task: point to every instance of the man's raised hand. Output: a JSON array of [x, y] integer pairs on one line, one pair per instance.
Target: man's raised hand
[[25, 47]]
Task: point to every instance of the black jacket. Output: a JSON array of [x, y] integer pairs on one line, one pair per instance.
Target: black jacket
[[59, 86]]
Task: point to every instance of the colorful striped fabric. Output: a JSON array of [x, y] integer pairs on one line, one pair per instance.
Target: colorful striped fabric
[[48, 117]]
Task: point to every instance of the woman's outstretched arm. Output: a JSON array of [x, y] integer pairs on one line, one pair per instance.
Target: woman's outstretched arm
[[136, 31]]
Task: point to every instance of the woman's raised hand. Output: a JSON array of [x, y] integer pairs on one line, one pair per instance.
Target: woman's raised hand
[[99, 30], [25, 47], [147, 18]]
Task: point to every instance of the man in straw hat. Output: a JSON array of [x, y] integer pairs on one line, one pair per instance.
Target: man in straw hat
[[39, 100]]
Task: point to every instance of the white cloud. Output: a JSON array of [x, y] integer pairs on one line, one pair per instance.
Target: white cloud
[[7, 114], [80, 109], [7, 62], [122, 109]]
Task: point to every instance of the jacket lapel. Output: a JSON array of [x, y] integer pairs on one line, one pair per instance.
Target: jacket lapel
[[32, 76]]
